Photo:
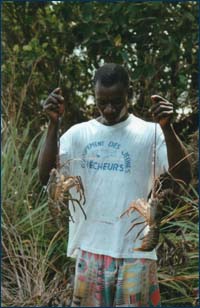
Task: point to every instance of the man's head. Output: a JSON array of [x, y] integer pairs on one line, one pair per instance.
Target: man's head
[[110, 74], [111, 86]]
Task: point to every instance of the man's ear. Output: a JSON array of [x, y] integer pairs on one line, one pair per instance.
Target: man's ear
[[130, 92]]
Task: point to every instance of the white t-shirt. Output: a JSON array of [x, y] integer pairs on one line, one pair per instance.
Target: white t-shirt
[[115, 164]]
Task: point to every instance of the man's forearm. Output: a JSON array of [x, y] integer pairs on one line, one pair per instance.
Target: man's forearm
[[47, 156], [179, 163]]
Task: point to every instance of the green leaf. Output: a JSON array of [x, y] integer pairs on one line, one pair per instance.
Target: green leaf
[[16, 48], [27, 47]]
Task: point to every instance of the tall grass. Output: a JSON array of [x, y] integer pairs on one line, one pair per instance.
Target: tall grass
[[178, 251], [33, 251]]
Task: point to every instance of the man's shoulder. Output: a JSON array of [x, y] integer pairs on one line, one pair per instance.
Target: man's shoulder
[[142, 123], [78, 128]]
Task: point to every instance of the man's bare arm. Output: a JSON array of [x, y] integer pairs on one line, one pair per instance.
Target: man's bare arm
[[179, 163], [54, 108]]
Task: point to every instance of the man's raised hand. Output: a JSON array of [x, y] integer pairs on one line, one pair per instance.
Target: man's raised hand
[[162, 110], [53, 106]]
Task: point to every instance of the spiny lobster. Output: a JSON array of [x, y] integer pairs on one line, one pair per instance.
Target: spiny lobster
[[58, 189], [58, 194], [151, 210]]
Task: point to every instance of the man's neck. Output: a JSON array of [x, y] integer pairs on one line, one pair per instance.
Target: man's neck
[[103, 121]]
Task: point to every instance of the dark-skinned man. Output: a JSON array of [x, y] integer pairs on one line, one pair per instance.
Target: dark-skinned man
[[113, 156]]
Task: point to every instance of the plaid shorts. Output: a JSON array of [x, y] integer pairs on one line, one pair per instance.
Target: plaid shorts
[[103, 281]]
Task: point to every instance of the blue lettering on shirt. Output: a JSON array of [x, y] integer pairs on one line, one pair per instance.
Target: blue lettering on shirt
[[99, 155]]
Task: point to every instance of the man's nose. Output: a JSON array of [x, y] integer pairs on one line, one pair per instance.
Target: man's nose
[[109, 108]]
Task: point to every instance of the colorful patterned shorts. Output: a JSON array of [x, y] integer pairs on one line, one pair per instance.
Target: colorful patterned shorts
[[103, 281]]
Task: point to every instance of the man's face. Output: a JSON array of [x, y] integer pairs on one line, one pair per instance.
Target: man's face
[[112, 102]]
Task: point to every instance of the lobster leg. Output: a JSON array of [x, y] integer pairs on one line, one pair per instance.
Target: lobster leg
[[140, 231], [69, 198], [75, 200], [137, 223], [126, 212], [81, 190], [61, 202], [135, 219]]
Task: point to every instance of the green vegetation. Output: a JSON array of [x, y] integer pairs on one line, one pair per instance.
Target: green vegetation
[[61, 44]]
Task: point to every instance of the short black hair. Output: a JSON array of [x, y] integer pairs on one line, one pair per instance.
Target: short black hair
[[110, 74]]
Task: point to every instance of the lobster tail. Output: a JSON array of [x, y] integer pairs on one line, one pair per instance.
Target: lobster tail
[[150, 241]]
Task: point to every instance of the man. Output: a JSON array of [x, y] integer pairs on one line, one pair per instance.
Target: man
[[113, 155]]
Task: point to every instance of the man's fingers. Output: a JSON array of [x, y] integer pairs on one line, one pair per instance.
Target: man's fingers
[[162, 110], [157, 98], [161, 107], [51, 106], [57, 91], [60, 98], [52, 100], [164, 114]]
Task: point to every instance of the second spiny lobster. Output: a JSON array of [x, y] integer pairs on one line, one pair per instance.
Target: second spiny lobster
[[151, 211]]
